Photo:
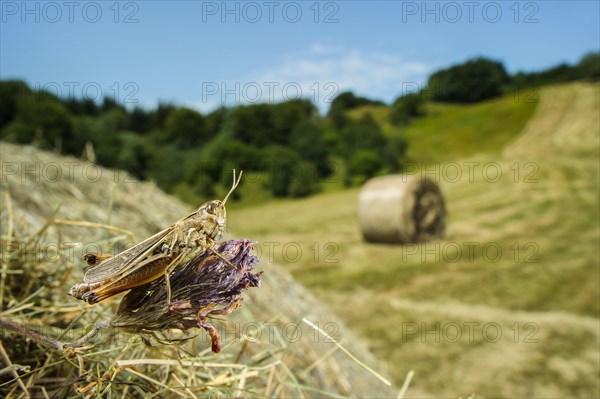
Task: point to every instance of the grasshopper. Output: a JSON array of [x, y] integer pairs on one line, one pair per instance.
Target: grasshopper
[[106, 276]]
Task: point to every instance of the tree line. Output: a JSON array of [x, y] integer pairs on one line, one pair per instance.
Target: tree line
[[187, 152], [483, 79], [290, 143]]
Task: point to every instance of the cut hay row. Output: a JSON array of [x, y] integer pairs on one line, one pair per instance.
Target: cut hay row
[[482, 349], [565, 117], [267, 349]]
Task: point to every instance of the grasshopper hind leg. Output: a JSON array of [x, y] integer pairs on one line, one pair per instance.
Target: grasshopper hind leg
[[168, 271], [92, 298]]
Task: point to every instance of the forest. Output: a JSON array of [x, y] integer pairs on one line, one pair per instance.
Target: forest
[[290, 145]]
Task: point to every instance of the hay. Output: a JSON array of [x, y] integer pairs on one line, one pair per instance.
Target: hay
[[401, 209], [266, 348]]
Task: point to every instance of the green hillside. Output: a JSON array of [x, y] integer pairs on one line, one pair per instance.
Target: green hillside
[[453, 131], [520, 255]]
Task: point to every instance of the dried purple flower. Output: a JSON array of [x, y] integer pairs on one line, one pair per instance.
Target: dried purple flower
[[201, 287]]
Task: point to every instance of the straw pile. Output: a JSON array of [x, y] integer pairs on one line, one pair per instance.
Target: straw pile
[[55, 209], [401, 209]]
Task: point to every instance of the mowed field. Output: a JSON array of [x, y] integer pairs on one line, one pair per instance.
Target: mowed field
[[507, 303]]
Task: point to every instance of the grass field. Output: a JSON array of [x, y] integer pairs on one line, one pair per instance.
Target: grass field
[[508, 303]]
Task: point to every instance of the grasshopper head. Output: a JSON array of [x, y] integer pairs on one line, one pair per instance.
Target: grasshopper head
[[214, 217], [213, 214]]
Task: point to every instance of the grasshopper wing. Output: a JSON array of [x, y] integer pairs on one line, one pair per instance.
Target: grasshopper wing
[[150, 268], [126, 260]]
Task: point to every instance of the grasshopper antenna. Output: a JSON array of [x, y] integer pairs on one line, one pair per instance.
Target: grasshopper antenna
[[234, 185]]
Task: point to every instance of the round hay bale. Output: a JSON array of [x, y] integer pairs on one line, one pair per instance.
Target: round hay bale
[[401, 209]]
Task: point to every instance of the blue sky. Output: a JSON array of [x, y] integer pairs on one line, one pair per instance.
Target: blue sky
[[203, 54]]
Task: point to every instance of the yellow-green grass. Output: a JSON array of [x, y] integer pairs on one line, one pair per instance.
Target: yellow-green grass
[[543, 215]]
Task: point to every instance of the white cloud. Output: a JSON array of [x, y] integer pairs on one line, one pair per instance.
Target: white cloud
[[320, 73]]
